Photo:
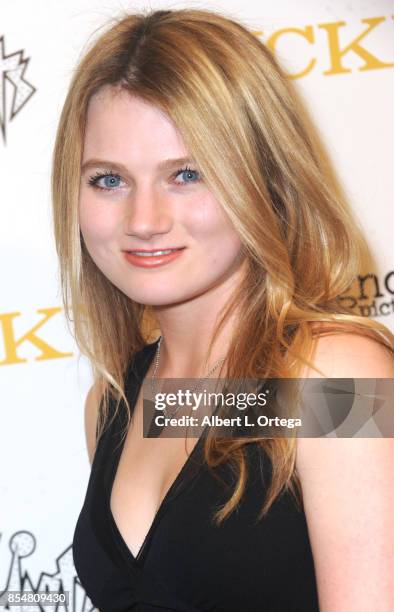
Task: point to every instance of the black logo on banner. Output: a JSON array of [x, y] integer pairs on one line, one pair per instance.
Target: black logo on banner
[[372, 295], [15, 90], [19, 581]]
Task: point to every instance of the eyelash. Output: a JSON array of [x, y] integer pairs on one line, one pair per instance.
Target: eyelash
[[93, 180]]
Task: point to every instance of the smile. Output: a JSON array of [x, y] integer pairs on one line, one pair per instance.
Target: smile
[[150, 259], [152, 253]]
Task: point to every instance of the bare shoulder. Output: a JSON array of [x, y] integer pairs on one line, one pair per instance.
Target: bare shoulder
[[350, 355], [92, 404], [342, 355]]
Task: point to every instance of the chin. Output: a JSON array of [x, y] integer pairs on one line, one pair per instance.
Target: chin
[[160, 300], [152, 298]]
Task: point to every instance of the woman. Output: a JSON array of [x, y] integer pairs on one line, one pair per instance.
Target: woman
[[190, 193]]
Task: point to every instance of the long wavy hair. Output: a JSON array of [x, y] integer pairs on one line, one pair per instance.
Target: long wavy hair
[[251, 137]]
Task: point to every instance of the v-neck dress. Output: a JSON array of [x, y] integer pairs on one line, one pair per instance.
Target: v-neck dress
[[187, 563]]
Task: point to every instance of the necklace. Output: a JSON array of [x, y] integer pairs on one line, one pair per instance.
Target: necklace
[[153, 379]]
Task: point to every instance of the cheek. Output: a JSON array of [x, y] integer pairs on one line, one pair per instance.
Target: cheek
[[97, 220], [210, 225]]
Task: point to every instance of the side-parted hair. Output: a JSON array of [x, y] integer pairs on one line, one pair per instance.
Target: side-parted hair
[[251, 137]]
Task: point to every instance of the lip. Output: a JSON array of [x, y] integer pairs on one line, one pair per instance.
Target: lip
[[154, 260]]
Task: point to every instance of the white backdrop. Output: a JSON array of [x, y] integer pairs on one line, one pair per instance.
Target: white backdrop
[[346, 52]]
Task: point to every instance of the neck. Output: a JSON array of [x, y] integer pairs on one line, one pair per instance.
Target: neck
[[186, 330]]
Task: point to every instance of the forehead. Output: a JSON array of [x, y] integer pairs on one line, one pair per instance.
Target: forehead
[[120, 122]]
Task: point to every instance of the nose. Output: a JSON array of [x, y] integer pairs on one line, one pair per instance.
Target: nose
[[147, 213]]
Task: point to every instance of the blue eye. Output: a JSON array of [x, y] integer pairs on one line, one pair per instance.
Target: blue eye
[[187, 172], [110, 180]]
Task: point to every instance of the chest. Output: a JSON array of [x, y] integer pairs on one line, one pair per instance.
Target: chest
[[147, 469]]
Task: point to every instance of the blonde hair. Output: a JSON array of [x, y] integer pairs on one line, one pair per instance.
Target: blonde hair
[[251, 137]]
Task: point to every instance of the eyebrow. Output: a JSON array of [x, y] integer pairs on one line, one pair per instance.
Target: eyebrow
[[104, 163]]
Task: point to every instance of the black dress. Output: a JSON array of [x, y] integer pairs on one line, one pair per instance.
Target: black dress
[[186, 563]]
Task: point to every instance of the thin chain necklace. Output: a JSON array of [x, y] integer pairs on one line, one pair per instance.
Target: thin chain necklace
[[153, 379]]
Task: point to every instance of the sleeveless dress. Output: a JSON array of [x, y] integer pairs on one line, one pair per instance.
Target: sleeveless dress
[[187, 563]]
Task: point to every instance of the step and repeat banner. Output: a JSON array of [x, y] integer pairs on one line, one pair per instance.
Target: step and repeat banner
[[341, 58]]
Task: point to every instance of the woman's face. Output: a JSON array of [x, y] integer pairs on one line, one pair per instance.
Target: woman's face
[[133, 198]]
